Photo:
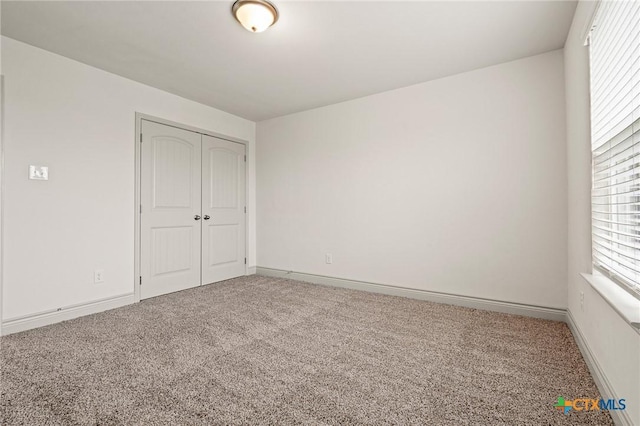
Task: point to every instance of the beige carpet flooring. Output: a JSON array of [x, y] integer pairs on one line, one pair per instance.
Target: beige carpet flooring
[[258, 350]]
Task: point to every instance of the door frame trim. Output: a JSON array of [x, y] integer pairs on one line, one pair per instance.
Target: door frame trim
[[138, 181]]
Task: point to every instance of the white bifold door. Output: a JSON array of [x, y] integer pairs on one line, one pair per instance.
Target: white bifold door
[[192, 219]]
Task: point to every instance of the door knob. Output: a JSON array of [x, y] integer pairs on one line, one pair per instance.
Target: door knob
[[197, 217], [207, 217]]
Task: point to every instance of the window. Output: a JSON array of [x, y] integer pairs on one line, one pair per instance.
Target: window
[[615, 134]]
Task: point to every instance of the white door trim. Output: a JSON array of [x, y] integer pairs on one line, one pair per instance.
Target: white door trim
[[1, 194], [138, 179]]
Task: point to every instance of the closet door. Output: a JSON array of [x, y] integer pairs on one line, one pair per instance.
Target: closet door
[[223, 209], [170, 222]]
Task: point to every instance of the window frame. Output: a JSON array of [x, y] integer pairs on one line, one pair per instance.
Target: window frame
[[616, 277]]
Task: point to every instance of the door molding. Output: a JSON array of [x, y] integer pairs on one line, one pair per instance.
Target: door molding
[[2, 183], [138, 180]]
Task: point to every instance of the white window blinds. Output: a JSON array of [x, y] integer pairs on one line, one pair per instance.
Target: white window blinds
[[615, 134]]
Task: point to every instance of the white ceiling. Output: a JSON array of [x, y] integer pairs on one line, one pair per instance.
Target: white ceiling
[[318, 53]]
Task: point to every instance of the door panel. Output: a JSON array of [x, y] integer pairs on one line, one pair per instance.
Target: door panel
[[171, 172], [223, 178], [223, 200], [171, 249], [171, 198], [223, 253]]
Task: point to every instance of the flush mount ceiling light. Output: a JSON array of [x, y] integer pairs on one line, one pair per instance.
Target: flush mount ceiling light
[[255, 15]]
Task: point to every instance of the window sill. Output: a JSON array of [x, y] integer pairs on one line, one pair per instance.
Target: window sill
[[625, 304]]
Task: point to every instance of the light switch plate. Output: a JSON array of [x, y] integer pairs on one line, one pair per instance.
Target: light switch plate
[[39, 172]]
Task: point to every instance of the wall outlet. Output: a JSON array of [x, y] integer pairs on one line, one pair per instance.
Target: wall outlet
[[582, 300], [328, 258], [98, 276], [39, 172]]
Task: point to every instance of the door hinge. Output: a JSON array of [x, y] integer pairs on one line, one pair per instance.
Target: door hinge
[[245, 260], [140, 208], [140, 137], [245, 158], [245, 209], [141, 280]]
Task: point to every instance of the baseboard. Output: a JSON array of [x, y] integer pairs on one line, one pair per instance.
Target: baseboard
[[251, 270], [63, 314], [603, 384], [554, 314]]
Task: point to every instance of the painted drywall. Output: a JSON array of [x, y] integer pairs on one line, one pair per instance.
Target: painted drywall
[[456, 185], [615, 345], [80, 122]]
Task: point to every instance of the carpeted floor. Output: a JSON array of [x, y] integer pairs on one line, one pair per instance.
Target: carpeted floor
[[258, 350]]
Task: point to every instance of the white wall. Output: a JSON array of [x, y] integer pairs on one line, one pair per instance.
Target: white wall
[[80, 121], [456, 185], [615, 345]]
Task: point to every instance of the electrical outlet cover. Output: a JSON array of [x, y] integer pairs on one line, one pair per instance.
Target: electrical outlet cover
[[39, 172]]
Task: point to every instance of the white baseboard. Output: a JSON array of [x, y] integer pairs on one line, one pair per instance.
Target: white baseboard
[[251, 270], [16, 325], [603, 384], [554, 314]]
